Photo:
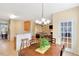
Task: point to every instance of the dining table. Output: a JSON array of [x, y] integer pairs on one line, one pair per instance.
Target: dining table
[[54, 50]]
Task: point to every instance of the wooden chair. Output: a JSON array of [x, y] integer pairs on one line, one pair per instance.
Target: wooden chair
[[53, 41], [33, 40], [24, 43], [62, 50]]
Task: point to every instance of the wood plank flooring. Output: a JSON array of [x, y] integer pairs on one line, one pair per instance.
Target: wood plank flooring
[[7, 48]]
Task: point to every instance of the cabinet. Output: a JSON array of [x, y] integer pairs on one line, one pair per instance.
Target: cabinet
[[27, 26]]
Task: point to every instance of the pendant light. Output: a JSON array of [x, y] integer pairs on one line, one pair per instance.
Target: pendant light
[[43, 20]]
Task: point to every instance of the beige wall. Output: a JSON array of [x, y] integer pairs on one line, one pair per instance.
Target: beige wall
[[64, 15], [15, 28]]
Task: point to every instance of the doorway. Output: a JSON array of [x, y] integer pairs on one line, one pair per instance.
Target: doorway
[[4, 29], [68, 34]]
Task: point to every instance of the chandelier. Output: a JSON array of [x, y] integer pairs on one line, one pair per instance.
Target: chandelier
[[42, 21]]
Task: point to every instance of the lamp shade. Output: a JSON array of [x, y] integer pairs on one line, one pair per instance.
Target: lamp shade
[[38, 22], [43, 19], [48, 21]]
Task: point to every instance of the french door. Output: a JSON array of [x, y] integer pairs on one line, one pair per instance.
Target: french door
[[67, 34]]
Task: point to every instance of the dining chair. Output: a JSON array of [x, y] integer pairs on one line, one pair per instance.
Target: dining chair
[[62, 50], [53, 41], [24, 43], [33, 40]]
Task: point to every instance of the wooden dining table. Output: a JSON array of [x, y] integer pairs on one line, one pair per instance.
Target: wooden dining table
[[54, 50]]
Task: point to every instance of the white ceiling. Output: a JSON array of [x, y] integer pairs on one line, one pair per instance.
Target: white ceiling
[[31, 10]]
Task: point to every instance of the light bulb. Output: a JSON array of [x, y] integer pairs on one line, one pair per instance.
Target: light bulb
[[40, 22], [37, 21], [43, 19], [48, 21], [45, 23]]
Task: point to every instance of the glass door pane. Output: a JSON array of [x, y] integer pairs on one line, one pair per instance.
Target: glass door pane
[[66, 33]]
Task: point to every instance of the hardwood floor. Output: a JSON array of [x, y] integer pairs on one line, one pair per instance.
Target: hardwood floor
[[7, 49], [66, 53]]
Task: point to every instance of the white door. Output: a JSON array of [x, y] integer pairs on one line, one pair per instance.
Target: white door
[[67, 29]]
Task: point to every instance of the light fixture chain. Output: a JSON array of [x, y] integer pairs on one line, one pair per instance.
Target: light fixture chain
[[42, 10]]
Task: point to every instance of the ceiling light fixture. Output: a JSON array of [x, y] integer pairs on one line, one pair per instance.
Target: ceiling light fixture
[[43, 20], [13, 16]]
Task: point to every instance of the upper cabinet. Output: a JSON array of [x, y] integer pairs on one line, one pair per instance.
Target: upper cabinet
[[27, 26]]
